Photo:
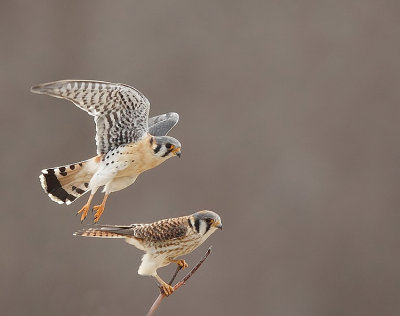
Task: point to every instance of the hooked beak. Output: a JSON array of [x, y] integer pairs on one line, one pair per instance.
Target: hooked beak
[[218, 225], [177, 152]]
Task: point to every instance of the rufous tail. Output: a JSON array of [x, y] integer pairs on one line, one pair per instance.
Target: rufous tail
[[67, 183]]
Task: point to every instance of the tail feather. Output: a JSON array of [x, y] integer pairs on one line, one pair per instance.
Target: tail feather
[[114, 231], [98, 232], [67, 183]]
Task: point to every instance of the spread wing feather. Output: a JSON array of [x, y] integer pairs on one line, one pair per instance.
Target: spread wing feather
[[120, 111]]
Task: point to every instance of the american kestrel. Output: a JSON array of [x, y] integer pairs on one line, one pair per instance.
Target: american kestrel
[[128, 143], [163, 241]]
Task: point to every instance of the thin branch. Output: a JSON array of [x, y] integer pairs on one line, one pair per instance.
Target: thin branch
[[178, 268], [160, 297]]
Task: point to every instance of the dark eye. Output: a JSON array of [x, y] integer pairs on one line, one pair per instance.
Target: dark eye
[[168, 145], [209, 220]]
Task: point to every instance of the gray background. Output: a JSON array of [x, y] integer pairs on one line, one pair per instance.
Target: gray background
[[289, 125]]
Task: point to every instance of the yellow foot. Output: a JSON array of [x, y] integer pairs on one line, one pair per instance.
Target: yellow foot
[[181, 263], [99, 210], [166, 289], [84, 210]]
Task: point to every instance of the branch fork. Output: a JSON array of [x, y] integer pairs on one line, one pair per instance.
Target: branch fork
[[160, 297]]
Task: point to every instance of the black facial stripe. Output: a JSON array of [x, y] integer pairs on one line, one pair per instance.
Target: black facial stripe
[[197, 225], [151, 141], [208, 226], [190, 223], [167, 153], [157, 149]]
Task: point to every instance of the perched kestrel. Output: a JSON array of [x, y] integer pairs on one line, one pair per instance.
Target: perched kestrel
[[163, 241], [128, 143]]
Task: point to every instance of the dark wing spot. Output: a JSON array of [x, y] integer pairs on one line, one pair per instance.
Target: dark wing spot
[[72, 167], [62, 169], [63, 173]]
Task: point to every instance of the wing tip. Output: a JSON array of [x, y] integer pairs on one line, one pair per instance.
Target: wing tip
[[174, 115], [44, 88], [36, 89]]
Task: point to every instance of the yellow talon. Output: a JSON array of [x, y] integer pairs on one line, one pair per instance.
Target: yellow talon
[[99, 211], [84, 210], [182, 263], [167, 289]]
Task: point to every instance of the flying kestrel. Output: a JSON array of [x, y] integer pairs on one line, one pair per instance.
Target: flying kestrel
[[163, 241], [128, 143]]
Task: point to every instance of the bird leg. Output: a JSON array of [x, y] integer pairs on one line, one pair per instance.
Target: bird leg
[[182, 263], [100, 209], [164, 287], [84, 210]]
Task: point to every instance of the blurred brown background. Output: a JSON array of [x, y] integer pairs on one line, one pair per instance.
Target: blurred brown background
[[289, 124]]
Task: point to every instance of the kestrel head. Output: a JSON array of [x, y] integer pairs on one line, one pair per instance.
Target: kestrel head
[[205, 222], [165, 146]]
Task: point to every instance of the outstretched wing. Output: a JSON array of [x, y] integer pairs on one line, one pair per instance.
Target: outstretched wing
[[160, 125], [120, 111], [163, 230]]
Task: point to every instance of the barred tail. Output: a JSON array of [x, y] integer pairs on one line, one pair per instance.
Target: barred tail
[[67, 183], [98, 232], [114, 231]]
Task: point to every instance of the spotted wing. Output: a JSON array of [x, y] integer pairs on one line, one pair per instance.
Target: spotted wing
[[120, 111], [167, 229], [160, 125]]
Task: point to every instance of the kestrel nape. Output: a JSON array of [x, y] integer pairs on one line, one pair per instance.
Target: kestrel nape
[[127, 141]]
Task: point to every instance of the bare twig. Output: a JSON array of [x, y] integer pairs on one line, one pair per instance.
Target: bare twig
[[178, 268], [160, 297]]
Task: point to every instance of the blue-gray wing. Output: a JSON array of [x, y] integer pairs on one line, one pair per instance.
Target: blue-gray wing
[[160, 125], [120, 111]]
